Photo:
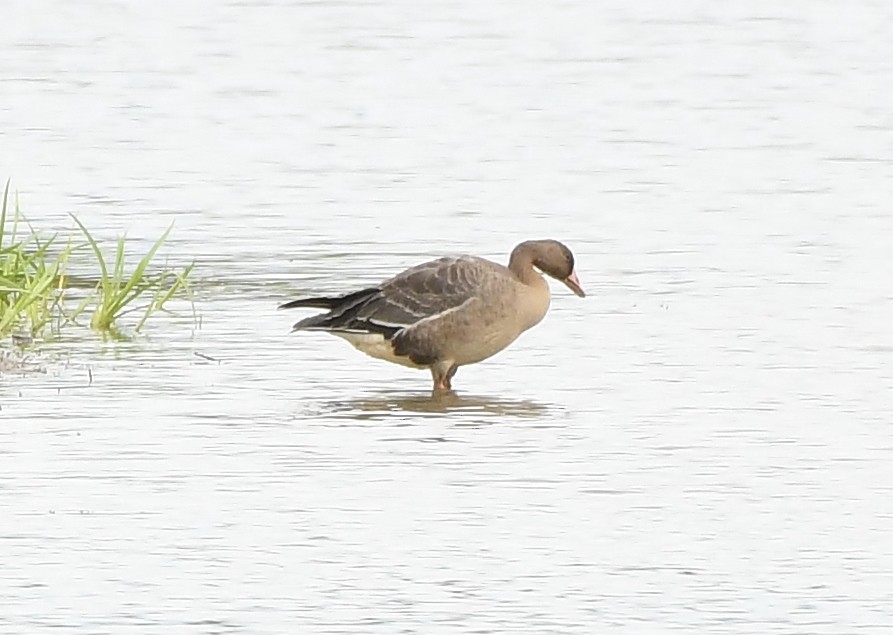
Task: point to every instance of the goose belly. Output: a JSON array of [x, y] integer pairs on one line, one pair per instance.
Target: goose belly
[[483, 346], [375, 345]]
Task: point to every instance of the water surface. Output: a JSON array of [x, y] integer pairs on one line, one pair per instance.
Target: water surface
[[702, 445]]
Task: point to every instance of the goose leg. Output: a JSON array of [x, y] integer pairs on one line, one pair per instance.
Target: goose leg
[[449, 376], [442, 373]]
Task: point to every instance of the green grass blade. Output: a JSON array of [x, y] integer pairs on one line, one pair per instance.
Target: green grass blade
[[95, 247], [119, 261], [3, 212]]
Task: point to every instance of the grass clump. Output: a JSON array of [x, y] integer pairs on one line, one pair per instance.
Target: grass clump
[[119, 293], [33, 274], [29, 275]]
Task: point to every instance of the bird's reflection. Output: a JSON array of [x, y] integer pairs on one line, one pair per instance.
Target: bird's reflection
[[386, 405]]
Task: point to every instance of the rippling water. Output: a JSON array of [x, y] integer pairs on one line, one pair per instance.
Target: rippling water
[[703, 445]]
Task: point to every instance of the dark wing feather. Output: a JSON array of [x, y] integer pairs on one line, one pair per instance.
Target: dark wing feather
[[325, 302], [424, 291], [343, 311]]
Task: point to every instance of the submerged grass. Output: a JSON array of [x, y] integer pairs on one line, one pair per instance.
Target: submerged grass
[[33, 274]]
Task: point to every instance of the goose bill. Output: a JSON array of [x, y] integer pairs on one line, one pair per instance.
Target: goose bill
[[573, 283]]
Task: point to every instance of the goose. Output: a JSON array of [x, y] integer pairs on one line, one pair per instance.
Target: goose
[[448, 312]]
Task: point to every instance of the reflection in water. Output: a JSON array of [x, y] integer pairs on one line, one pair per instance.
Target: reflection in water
[[389, 404]]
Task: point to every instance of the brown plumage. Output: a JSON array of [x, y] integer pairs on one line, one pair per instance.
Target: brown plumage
[[448, 312]]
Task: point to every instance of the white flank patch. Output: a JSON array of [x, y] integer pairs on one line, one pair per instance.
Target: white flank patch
[[375, 345]]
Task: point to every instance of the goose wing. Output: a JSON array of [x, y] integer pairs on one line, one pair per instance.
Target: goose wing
[[423, 292]]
